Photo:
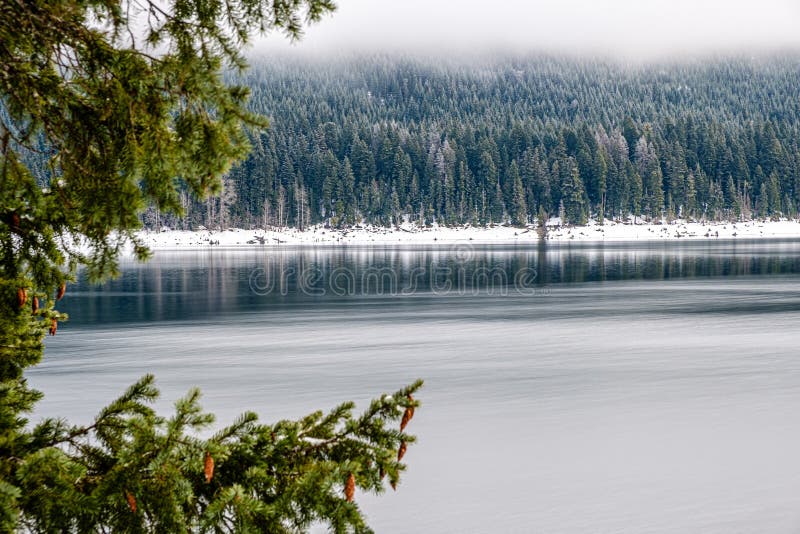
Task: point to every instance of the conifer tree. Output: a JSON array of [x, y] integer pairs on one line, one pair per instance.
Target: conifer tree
[[690, 196], [774, 194], [541, 222], [762, 204], [519, 208], [574, 199], [129, 99]]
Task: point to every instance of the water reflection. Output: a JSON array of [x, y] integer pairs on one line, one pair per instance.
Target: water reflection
[[191, 285]]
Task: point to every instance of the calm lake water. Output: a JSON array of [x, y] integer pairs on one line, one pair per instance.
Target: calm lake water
[[617, 388]]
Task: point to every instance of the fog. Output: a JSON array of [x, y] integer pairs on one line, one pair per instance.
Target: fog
[[634, 28]]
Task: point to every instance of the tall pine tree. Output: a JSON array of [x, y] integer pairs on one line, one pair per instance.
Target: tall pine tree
[[126, 128]]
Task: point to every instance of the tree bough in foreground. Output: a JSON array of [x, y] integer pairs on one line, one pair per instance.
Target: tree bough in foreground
[[121, 105], [132, 470]]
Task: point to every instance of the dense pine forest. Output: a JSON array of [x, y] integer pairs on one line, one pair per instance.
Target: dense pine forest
[[381, 140]]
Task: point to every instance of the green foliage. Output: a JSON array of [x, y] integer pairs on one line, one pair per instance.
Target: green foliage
[[130, 102], [134, 471], [519, 209], [109, 108], [574, 197]]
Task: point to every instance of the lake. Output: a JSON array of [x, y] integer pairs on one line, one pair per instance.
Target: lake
[[574, 388]]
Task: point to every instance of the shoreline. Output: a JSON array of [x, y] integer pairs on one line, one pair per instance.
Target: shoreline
[[410, 234]]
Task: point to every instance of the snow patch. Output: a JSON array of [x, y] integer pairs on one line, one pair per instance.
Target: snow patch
[[410, 233]]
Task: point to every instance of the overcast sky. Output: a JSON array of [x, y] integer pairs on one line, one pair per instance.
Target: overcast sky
[[630, 27]]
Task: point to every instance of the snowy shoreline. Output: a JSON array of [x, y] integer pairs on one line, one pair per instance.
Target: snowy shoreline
[[410, 234]]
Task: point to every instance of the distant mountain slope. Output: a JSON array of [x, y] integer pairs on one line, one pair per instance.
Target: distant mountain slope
[[379, 139]]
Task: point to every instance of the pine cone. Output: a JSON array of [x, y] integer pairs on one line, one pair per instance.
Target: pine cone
[[131, 501], [401, 451], [22, 297], [61, 290], [208, 467], [382, 473], [393, 484], [350, 488], [35, 305], [407, 415], [53, 327]]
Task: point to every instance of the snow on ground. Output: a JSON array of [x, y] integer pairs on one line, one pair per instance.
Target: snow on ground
[[613, 231], [409, 233]]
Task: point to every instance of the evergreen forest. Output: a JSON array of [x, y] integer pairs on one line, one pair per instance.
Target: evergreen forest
[[511, 140]]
